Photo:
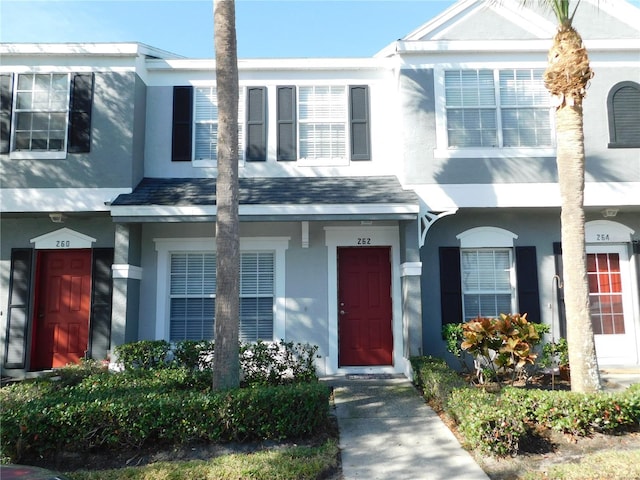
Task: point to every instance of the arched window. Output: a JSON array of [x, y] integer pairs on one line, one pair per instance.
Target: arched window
[[623, 107]]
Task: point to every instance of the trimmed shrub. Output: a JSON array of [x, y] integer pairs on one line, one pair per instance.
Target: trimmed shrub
[[487, 422], [261, 363], [495, 423], [129, 410], [436, 380], [145, 354], [194, 354], [265, 363]]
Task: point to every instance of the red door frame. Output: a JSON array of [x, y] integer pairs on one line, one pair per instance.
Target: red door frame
[[365, 313], [43, 359]]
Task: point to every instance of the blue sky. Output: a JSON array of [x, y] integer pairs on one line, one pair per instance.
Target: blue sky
[[265, 28]]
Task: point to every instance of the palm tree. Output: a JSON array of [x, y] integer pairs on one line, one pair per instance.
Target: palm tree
[[226, 366], [566, 77]]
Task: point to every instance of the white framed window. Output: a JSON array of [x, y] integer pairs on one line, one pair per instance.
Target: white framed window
[[192, 296], [487, 268], [507, 108], [40, 113], [487, 286], [322, 120], [186, 286], [205, 113]]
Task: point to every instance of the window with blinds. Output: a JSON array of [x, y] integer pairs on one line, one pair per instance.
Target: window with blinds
[[487, 288], [206, 123], [192, 296], [322, 116], [497, 108]]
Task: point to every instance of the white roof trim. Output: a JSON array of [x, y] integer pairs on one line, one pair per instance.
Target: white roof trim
[[597, 194], [210, 210], [105, 49], [445, 47], [21, 200]]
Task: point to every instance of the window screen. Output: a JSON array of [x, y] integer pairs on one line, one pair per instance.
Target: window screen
[[486, 282]]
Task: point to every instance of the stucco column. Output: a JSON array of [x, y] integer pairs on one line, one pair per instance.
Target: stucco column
[[411, 272], [127, 274]]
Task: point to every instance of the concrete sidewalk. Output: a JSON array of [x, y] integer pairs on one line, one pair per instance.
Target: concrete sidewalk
[[388, 432]]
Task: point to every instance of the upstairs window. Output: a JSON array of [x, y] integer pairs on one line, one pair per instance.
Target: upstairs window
[[322, 113], [206, 123], [41, 112], [623, 107], [323, 124], [44, 115], [497, 108]]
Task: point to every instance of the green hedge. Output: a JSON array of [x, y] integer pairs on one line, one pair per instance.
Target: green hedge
[[496, 422], [172, 406]]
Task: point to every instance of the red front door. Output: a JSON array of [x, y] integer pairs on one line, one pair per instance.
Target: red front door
[[63, 299], [364, 306]]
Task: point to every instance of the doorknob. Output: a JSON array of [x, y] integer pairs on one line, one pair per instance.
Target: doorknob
[[342, 312]]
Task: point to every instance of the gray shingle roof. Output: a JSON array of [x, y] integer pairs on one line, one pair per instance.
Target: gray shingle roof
[[271, 191]]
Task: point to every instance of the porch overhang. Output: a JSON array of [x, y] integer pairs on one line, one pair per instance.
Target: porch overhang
[[269, 199]]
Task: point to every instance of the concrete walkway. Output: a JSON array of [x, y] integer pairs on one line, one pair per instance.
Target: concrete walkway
[[388, 432]]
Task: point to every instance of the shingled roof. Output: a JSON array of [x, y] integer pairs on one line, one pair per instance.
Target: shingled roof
[[269, 198], [271, 191]]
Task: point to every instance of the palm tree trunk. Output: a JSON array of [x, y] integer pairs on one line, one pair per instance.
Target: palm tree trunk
[[226, 366], [585, 376]]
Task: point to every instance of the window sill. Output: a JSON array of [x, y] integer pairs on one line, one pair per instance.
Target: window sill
[[624, 145], [210, 163], [494, 153], [23, 155], [323, 162]]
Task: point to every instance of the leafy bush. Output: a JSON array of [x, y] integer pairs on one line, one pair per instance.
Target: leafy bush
[[453, 336], [155, 406], [436, 380], [487, 423], [277, 363], [495, 423], [146, 354], [194, 354], [262, 363], [500, 345]]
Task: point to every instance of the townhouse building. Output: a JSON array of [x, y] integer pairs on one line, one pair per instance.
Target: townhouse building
[[379, 197]]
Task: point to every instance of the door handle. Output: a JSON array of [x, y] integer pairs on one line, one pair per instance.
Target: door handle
[[342, 312]]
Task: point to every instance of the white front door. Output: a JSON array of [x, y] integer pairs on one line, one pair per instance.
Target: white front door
[[611, 304]]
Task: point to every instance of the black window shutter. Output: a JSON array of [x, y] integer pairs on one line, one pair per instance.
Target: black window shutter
[[636, 253], [18, 316], [359, 120], [527, 278], [6, 104], [181, 134], [562, 317], [450, 285], [623, 105], [256, 124], [286, 123], [100, 335], [80, 113]]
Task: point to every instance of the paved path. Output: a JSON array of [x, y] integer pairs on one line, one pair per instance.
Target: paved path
[[388, 432]]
